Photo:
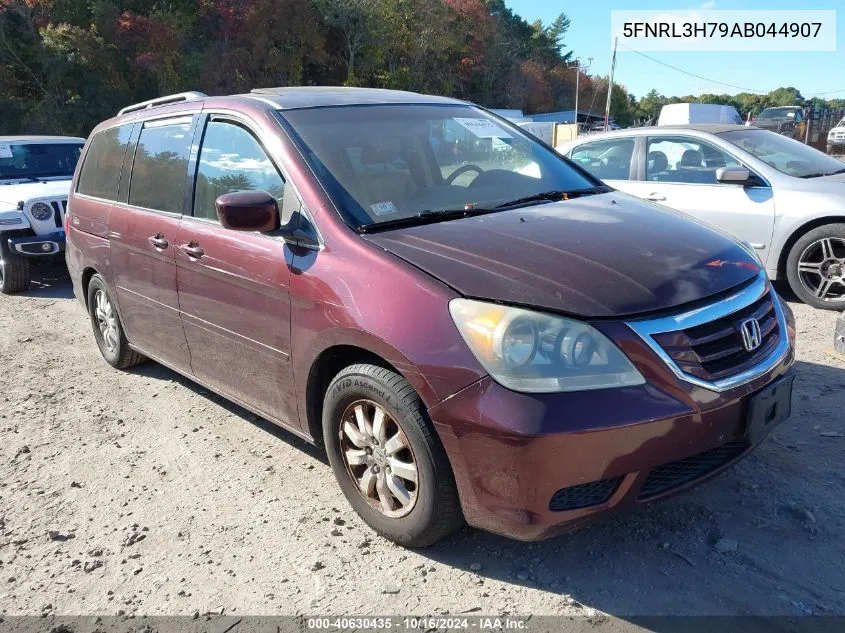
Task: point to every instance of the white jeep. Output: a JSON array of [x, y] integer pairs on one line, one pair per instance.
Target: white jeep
[[35, 176]]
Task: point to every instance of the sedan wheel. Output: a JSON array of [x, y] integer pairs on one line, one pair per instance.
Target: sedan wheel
[[821, 269], [815, 267]]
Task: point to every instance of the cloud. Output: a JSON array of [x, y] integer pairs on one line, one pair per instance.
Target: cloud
[[707, 5]]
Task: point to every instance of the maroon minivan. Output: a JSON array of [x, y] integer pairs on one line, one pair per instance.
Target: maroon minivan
[[474, 327]]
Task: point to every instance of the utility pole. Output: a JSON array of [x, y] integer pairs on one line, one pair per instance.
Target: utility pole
[[577, 83], [610, 85]]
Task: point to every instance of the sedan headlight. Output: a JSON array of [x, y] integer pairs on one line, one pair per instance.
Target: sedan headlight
[[41, 211], [535, 352]]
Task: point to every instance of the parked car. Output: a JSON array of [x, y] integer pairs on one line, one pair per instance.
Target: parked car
[[528, 350], [789, 121], [697, 113], [836, 139], [781, 196], [35, 173]]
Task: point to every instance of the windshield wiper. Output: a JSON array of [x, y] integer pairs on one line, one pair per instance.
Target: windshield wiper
[[553, 196], [423, 217], [822, 174]]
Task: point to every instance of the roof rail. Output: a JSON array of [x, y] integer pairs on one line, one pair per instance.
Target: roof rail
[[160, 101]]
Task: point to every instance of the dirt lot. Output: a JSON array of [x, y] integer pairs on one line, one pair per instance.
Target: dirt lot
[[140, 492]]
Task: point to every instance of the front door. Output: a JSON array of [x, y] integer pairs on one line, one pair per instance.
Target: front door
[[233, 285], [143, 227], [680, 172]]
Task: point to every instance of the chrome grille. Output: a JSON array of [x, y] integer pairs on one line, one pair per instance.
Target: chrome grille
[[703, 345], [59, 209], [715, 350]]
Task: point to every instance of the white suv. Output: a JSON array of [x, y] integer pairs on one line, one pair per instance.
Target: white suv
[[35, 175]]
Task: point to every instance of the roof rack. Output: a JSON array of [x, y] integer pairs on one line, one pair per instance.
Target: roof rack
[[160, 101]]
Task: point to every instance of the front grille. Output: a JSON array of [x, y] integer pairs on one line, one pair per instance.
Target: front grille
[[584, 495], [714, 350], [676, 474], [59, 209]]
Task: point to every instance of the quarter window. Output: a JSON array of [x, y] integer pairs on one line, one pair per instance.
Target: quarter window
[[685, 160], [606, 160], [100, 174], [231, 159], [160, 166]]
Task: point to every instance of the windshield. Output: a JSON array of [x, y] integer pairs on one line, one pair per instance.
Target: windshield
[[777, 113], [38, 160], [784, 154], [382, 163]]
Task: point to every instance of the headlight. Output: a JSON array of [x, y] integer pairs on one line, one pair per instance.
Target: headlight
[[41, 211], [535, 352]]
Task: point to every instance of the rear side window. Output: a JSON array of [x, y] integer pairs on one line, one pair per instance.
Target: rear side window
[[100, 174], [160, 166], [606, 160], [231, 159]]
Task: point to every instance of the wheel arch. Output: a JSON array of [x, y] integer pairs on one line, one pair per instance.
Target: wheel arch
[[87, 273], [328, 364], [798, 233]]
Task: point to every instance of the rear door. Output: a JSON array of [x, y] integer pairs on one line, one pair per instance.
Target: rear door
[[143, 230], [611, 160], [680, 172], [234, 285]]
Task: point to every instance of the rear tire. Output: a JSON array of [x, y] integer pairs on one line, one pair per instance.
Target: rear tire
[[108, 331], [14, 272], [815, 267], [390, 465]]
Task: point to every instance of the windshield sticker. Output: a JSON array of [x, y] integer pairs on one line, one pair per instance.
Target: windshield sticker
[[482, 128], [384, 208], [5, 151]]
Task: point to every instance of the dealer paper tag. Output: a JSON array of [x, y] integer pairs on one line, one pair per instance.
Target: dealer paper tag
[[482, 128], [5, 151], [383, 208]]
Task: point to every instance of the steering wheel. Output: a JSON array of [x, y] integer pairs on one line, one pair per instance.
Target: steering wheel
[[461, 171]]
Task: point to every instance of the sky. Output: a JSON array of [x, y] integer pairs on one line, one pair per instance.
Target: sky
[[589, 36]]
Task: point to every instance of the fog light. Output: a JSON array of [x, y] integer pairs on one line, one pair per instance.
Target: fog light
[[46, 247]]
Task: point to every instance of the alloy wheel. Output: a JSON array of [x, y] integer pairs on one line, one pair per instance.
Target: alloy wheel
[[821, 269], [379, 458], [106, 321]]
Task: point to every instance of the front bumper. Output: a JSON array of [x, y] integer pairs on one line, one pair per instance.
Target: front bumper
[[531, 466], [37, 245]]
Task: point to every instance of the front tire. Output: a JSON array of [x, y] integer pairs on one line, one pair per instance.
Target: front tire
[[387, 458], [815, 267], [108, 331], [14, 272]]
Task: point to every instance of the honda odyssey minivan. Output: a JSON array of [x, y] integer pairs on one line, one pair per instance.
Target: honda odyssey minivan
[[474, 327]]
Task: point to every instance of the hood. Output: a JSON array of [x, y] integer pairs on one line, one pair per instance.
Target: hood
[[10, 195], [606, 255]]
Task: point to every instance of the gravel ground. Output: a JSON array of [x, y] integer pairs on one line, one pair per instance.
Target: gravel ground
[[140, 492]]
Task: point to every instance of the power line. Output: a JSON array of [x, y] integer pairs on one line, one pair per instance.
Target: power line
[[827, 92], [681, 70]]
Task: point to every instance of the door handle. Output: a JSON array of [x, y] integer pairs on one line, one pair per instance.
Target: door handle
[[655, 197], [159, 241], [192, 250]]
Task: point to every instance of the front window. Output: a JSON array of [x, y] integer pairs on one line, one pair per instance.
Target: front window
[[685, 160], [36, 161], [774, 114], [786, 155], [383, 163]]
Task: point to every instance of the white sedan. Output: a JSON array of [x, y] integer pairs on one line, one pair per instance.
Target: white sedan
[[785, 199]]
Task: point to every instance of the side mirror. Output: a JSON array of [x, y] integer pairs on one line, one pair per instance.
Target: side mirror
[[733, 175], [248, 211]]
